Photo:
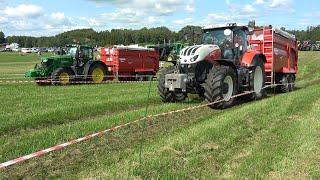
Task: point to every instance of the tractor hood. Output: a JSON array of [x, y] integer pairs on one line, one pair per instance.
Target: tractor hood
[[42, 69], [198, 53]]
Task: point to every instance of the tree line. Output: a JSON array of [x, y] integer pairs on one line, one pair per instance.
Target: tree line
[[160, 35]]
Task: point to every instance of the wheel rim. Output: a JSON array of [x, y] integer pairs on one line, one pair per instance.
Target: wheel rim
[[258, 80], [228, 84], [97, 75], [64, 78]]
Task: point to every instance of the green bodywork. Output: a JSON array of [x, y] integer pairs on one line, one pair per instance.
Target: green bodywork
[[68, 59], [169, 52]]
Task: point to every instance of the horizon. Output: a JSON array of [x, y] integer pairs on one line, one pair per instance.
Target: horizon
[[46, 18]]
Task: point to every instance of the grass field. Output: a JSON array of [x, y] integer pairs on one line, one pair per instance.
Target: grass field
[[277, 137]]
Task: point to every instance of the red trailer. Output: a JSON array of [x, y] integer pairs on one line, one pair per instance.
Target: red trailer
[[131, 62], [281, 52]]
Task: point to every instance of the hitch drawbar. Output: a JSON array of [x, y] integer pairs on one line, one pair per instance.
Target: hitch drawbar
[[176, 82]]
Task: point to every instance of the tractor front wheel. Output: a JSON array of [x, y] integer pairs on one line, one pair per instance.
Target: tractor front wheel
[[220, 86], [165, 94], [62, 76]]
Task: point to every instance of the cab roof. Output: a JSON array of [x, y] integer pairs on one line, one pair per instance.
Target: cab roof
[[76, 45]]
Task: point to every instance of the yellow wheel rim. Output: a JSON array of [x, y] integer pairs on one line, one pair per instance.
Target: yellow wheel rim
[[64, 78], [97, 75]]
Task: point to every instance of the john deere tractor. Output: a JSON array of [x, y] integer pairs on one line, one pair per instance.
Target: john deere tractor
[[74, 63]]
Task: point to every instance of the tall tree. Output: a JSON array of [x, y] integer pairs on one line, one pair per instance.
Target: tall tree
[[2, 37]]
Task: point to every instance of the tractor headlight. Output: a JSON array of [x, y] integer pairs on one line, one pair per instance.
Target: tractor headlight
[[194, 58]]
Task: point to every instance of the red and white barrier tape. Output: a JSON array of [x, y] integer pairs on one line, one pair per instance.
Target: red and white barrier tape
[[61, 146], [73, 82], [85, 138]]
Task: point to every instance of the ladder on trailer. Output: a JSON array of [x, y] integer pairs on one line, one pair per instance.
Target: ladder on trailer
[[268, 51]]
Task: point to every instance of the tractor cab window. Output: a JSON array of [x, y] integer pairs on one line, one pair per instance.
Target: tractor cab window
[[217, 37], [72, 51], [221, 38], [85, 52], [240, 40], [46, 62], [90, 53]]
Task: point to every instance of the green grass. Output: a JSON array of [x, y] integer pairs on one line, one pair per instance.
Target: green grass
[[277, 137]]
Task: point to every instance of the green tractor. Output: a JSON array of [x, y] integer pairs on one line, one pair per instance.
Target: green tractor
[[169, 52], [76, 63]]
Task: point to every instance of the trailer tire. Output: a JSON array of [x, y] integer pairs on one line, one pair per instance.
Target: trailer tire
[[221, 84], [165, 94], [257, 80], [287, 83], [62, 77], [97, 73]]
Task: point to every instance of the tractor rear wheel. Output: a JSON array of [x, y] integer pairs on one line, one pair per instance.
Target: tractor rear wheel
[[165, 94], [97, 74], [220, 86], [257, 81], [62, 76]]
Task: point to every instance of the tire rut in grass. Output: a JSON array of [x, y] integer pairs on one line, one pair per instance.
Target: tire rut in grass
[[110, 149]]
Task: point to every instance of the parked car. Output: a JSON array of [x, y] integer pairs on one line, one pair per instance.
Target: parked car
[[26, 50]]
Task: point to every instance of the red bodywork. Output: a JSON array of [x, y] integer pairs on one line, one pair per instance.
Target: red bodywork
[[280, 51], [129, 62]]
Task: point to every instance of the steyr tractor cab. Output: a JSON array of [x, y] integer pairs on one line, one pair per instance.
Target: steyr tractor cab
[[221, 67], [74, 63]]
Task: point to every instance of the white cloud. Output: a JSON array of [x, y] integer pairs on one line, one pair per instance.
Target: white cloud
[[186, 21], [23, 10], [58, 16], [259, 2], [280, 3], [248, 9]]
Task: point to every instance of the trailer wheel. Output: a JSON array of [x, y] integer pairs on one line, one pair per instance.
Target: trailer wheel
[[221, 84], [97, 74], [165, 94], [287, 83], [257, 81], [62, 76]]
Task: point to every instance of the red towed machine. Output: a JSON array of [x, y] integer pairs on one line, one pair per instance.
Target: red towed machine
[[130, 62]]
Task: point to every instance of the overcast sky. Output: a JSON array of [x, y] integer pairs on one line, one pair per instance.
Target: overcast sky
[[49, 17]]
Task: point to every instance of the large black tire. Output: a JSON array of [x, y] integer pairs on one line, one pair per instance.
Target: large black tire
[[287, 83], [165, 94], [97, 74], [62, 77], [258, 80], [216, 85]]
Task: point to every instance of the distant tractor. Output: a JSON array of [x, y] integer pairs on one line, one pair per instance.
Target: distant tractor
[[232, 60], [76, 63], [168, 52], [316, 46], [305, 46]]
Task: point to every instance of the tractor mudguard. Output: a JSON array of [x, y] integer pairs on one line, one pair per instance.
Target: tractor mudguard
[[250, 57]]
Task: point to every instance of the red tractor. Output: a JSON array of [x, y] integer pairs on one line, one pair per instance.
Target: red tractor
[[232, 60]]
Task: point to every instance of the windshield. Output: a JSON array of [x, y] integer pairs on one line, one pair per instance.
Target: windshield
[[46, 62], [216, 36], [72, 51]]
